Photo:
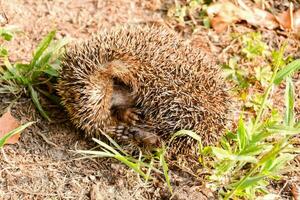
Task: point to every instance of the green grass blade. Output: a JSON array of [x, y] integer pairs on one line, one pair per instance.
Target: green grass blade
[[186, 133], [286, 71], [96, 153], [43, 61], [50, 70], [52, 97], [106, 146], [12, 70], [131, 165], [289, 103], [35, 99], [148, 174], [60, 44], [43, 45], [165, 167], [115, 144], [117, 156], [13, 132], [49, 59]]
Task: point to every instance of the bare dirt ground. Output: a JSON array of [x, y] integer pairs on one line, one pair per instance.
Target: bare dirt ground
[[43, 164]]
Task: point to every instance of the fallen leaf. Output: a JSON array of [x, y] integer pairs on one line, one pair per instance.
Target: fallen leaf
[[223, 14], [226, 10], [218, 24], [7, 124], [297, 21], [285, 19], [295, 190], [259, 17]]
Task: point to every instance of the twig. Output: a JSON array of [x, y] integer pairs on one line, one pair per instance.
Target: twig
[[46, 139]]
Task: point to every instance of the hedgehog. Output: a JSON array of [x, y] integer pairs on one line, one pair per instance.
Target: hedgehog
[[143, 83]]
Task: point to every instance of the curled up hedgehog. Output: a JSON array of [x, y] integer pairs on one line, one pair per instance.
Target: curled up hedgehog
[[142, 84]]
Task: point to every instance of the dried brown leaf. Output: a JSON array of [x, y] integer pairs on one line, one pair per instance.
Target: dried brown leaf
[[222, 14], [218, 24], [295, 190], [285, 19], [7, 124], [227, 13], [297, 20], [259, 17]]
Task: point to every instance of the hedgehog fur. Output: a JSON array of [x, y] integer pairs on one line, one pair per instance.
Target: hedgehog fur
[[146, 70]]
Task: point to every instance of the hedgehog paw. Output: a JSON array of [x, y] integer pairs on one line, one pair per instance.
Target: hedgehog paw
[[129, 116], [144, 137], [135, 134]]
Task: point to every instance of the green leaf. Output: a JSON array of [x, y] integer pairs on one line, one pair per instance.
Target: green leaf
[[43, 45], [242, 135], [52, 52], [284, 130], [6, 34], [249, 182], [222, 154], [225, 144], [43, 61], [278, 57], [286, 71], [249, 159], [13, 132], [289, 103], [263, 74], [10, 68], [206, 22], [3, 52], [278, 163], [59, 45], [254, 46], [271, 154], [35, 99], [253, 150], [260, 136]]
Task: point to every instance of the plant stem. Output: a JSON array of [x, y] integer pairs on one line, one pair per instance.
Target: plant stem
[[264, 101], [241, 182], [257, 119]]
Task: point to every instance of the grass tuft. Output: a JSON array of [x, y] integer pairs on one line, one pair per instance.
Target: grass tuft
[[32, 78]]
